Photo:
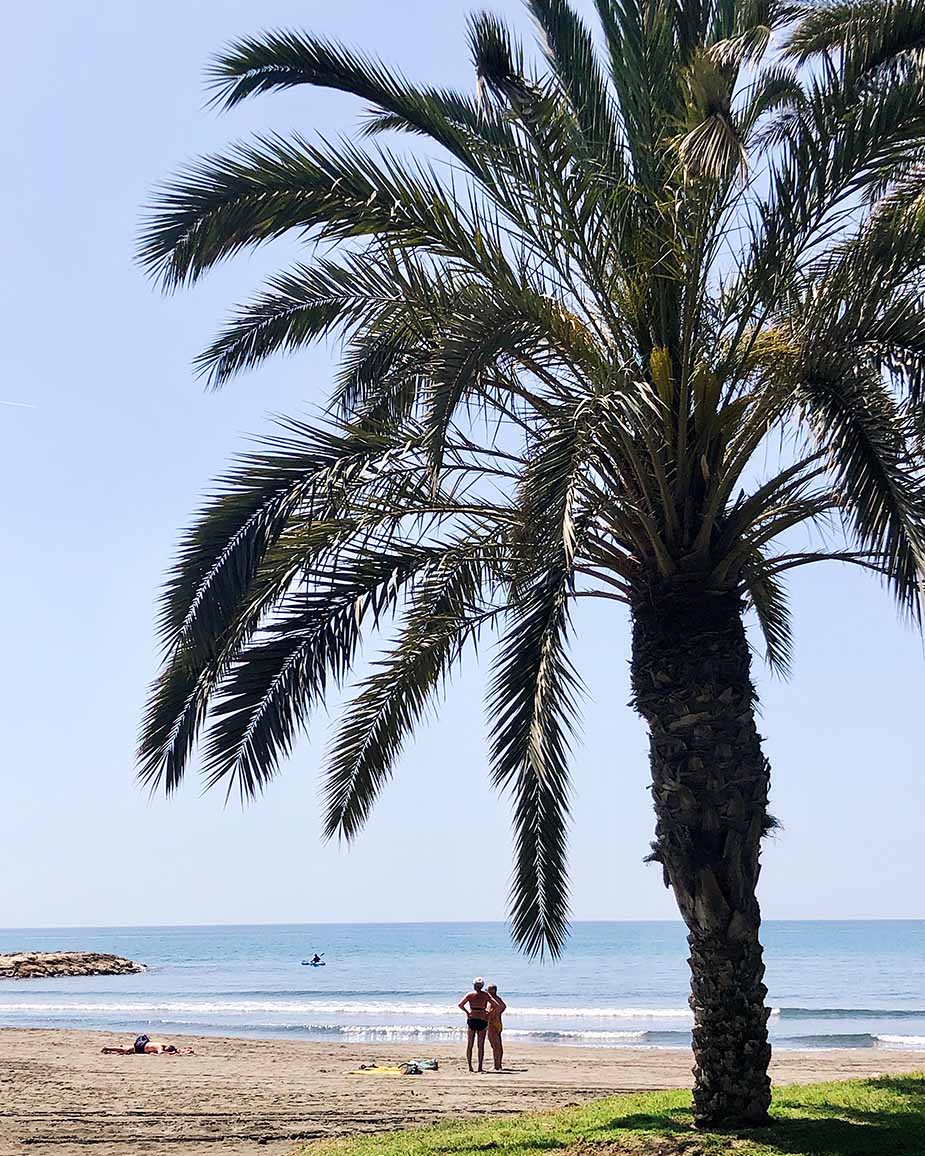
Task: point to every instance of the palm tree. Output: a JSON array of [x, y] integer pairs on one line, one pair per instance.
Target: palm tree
[[651, 331]]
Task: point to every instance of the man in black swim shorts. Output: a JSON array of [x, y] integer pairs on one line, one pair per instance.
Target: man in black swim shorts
[[476, 1005]]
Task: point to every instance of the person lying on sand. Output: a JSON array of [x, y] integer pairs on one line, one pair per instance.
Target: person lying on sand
[[145, 1047], [495, 1026], [476, 1005]]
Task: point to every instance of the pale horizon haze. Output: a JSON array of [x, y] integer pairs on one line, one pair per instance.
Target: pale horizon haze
[[107, 445]]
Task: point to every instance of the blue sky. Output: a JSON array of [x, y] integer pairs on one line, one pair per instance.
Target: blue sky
[[100, 475]]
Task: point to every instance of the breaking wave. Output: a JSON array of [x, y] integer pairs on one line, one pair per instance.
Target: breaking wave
[[332, 1007], [850, 1013]]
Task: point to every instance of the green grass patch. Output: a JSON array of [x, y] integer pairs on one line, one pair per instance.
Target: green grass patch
[[877, 1117]]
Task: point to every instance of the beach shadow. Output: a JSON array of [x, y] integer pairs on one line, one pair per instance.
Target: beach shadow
[[834, 1137], [673, 1122], [909, 1088], [831, 1129], [537, 1144], [841, 1130], [823, 1137]]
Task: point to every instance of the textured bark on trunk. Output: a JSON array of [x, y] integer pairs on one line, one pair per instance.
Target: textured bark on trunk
[[692, 684]]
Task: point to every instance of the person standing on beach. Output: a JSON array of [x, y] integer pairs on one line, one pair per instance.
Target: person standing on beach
[[495, 1027], [476, 1005]]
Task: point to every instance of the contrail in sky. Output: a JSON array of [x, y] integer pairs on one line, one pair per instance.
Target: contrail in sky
[[20, 404]]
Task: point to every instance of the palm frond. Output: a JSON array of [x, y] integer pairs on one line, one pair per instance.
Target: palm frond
[[853, 415], [312, 301], [774, 89], [220, 556], [571, 53], [484, 334], [263, 190], [711, 146], [496, 55], [381, 373], [643, 55], [292, 312], [532, 713], [532, 700], [176, 709], [868, 33], [448, 609], [275, 682], [766, 594], [287, 58]]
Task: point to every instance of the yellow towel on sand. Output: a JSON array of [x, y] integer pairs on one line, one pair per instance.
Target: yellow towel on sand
[[379, 1070]]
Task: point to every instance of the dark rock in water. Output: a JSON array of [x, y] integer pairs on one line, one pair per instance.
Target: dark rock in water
[[50, 964]]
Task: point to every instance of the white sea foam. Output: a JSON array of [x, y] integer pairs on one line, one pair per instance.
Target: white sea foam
[[592, 1036], [351, 1031], [333, 1007], [916, 1042], [452, 1031]]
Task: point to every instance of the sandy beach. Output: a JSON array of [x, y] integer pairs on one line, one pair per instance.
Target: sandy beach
[[59, 1095]]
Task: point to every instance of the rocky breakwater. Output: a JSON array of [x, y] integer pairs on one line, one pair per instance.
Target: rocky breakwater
[[51, 964]]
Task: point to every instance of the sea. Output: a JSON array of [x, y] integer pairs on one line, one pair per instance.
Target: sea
[[831, 984]]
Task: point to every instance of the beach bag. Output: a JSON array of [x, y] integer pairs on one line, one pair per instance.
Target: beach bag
[[141, 1042]]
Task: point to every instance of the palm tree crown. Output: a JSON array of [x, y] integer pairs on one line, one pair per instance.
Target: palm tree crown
[[662, 254]]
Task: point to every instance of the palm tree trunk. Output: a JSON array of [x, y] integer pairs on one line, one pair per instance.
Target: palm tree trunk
[[692, 684]]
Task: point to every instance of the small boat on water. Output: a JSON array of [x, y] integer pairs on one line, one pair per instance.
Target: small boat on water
[[315, 961]]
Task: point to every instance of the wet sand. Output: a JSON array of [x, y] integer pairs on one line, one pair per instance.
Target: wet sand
[[59, 1096]]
